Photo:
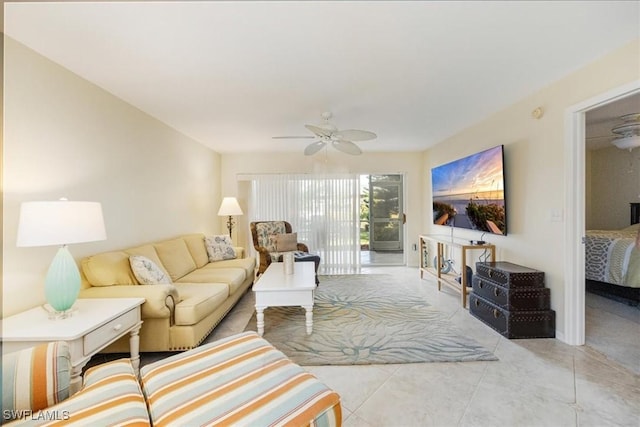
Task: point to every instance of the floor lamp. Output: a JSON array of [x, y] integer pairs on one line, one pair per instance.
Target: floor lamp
[[60, 222], [229, 207]]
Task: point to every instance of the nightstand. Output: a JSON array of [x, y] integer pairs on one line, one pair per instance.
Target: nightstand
[[94, 324]]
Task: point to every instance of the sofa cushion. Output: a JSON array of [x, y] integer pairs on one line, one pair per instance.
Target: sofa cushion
[[248, 264], [111, 395], [234, 277], [241, 380], [147, 272], [198, 300], [175, 257], [108, 269], [219, 248], [35, 378], [195, 243], [147, 251]]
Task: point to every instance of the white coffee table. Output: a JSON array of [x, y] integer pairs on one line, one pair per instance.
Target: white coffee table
[[274, 288]]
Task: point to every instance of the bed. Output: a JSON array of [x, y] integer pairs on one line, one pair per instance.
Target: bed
[[611, 256]]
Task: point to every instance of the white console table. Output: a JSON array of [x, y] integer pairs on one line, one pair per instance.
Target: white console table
[[93, 325]]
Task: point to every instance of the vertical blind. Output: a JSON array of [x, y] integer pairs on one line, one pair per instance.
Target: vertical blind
[[323, 210]]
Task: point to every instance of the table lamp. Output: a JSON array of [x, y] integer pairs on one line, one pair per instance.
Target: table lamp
[[60, 222], [230, 207]]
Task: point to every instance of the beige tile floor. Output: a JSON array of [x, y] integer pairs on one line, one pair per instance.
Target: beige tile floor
[[539, 382]]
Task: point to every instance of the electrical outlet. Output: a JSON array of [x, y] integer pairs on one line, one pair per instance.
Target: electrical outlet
[[415, 247]]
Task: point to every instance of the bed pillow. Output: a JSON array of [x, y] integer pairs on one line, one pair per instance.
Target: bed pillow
[[219, 248], [147, 272], [634, 227], [287, 242]]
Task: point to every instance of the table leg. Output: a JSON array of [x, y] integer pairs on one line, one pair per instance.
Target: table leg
[[309, 318], [260, 320], [75, 383], [134, 348]]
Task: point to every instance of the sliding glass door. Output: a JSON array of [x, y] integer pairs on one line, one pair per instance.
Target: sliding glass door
[[322, 209], [386, 217]]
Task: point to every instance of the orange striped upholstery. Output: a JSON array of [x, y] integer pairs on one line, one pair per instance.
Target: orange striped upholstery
[[35, 378], [241, 381], [110, 396]]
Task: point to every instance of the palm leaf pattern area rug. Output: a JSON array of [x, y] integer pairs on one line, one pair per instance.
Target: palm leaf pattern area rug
[[367, 319]]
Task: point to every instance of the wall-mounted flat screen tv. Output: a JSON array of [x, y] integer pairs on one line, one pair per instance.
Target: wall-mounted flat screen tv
[[470, 192]]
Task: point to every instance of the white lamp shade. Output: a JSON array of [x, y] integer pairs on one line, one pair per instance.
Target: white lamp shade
[[60, 222], [229, 206]]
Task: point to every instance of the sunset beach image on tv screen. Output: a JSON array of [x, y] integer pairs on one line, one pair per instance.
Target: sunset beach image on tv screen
[[469, 192]]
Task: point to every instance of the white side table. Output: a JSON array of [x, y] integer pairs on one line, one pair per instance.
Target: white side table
[[94, 325]]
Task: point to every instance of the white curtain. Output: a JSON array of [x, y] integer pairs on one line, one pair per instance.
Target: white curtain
[[322, 209]]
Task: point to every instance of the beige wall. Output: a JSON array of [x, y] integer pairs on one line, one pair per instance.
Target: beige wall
[[65, 137], [534, 162], [331, 161], [613, 181]]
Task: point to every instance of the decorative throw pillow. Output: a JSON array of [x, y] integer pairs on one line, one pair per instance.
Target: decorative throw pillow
[[147, 272], [287, 242], [219, 248]]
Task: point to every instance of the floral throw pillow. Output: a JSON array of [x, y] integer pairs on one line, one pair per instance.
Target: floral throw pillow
[[219, 248], [147, 272]]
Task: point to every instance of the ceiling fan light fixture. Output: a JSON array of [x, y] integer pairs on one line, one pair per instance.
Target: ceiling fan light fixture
[[628, 133], [627, 143]]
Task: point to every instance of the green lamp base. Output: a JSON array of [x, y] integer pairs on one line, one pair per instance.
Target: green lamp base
[[62, 284]]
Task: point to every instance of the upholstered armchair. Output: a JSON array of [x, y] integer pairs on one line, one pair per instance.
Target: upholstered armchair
[[273, 238], [265, 241]]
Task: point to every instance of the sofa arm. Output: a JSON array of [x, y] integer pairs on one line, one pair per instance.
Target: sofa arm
[[239, 251], [160, 300], [34, 379]]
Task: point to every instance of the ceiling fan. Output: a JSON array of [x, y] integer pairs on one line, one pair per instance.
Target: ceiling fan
[[625, 135], [328, 134]]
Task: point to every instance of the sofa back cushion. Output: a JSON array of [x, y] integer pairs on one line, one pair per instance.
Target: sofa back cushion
[[35, 378], [108, 269], [197, 248], [175, 257]]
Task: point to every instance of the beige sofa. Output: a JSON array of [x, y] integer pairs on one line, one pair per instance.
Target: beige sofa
[[176, 316]]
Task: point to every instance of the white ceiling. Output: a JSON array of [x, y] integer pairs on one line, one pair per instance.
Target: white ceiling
[[233, 74]]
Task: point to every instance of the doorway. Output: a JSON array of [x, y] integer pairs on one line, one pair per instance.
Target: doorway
[[574, 322], [382, 219]]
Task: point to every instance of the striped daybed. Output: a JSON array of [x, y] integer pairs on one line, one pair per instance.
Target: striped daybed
[[240, 381]]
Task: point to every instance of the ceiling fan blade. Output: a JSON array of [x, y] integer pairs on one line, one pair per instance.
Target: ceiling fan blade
[[347, 147], [319, 131], [601, 137], [314, 147], [355, 135], [293, 137]]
